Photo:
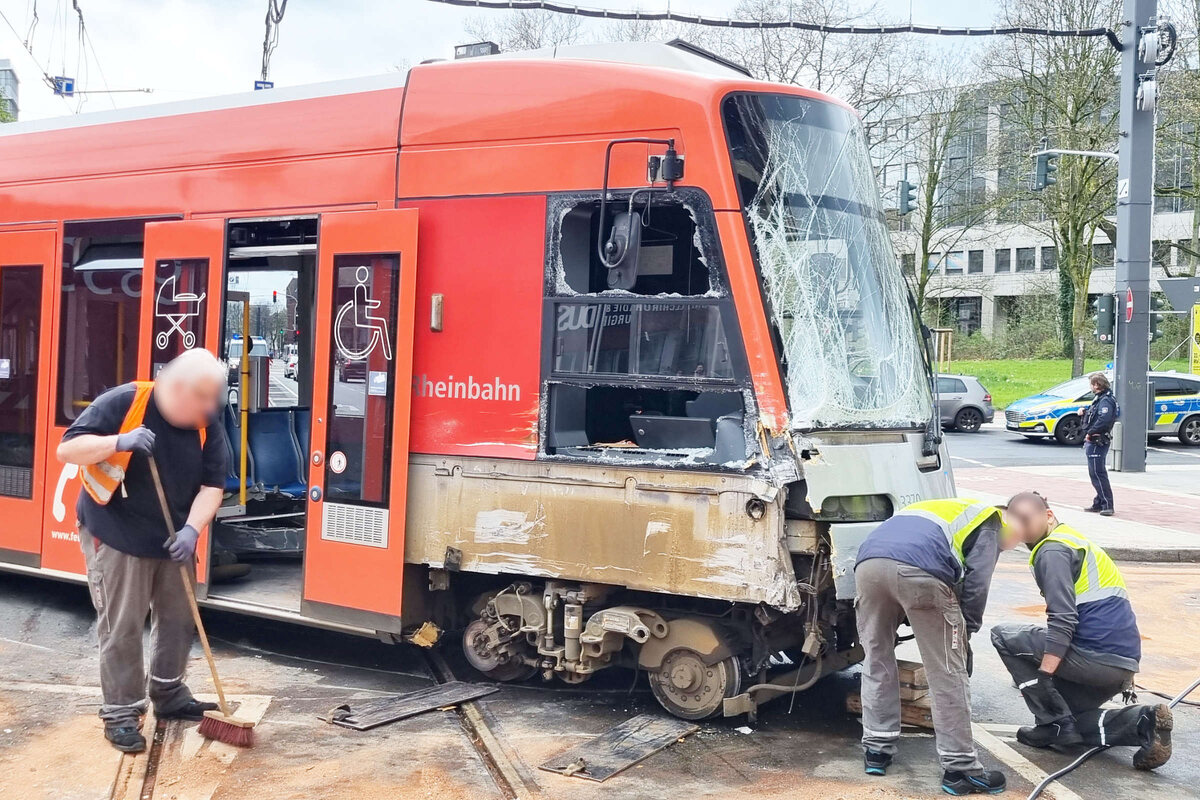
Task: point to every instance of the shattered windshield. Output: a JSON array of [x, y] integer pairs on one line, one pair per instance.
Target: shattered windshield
[[846, 330]]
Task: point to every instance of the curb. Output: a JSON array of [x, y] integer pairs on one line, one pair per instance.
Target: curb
[[1162, 555]]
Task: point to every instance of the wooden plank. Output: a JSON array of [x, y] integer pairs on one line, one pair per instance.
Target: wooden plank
[[367, 714], [620, 748], [912, 712]]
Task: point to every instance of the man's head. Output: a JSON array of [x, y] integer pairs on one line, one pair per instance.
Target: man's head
[[188, 389], [1030, 517], [1099, 382]]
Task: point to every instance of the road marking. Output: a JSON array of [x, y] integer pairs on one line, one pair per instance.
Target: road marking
[[28, 644], [1020, 764], [53, 688], [973, 461], [1173, 452]]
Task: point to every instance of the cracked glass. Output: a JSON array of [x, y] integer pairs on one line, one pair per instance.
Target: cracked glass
[[845, 326]]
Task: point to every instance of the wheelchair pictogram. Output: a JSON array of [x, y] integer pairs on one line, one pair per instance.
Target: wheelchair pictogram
[[361, 306], [181, 307]]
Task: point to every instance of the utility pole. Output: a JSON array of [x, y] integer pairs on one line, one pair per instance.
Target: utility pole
[[1135, 205]]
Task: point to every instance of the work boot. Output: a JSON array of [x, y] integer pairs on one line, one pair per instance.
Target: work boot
[[989, 781], [1093, 508], [125, 738], [1062, 733], [1157, 725], [193, 711], [876, 763], [1106, 512]]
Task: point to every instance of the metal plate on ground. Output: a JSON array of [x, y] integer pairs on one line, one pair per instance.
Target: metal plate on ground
[[620, 748], [366, 714]]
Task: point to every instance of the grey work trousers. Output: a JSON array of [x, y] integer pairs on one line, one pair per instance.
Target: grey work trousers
[[889, 591], [1082, 683], [124, 590]]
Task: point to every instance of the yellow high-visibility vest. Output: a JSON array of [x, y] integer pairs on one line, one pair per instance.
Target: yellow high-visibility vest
[[1099, 578], [956, 517]]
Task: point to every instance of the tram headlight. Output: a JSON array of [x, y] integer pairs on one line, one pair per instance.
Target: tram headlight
[[855, 508]]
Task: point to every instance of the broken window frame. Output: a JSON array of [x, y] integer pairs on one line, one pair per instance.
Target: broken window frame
[[559, 292]]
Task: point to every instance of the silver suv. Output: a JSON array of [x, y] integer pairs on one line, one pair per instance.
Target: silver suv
[[964, 403]]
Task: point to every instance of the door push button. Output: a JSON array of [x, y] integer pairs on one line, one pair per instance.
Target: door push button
[[315, 494], [317, 458]]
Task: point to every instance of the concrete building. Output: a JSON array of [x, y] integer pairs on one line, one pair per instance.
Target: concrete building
[[985, 262], [9, 86]]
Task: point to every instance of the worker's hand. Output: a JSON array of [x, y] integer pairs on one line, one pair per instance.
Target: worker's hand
[[183, 547], [138, 440]]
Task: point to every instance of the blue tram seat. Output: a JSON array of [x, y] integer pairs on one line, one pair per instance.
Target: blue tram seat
[[276, 454], [233, 435], [302, 420]]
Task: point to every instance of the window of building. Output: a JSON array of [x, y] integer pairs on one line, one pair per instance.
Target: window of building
[[966, 313], [1103, 255], [908, 263], [1026, 259], [1003, 260], [1160, 255], [975, 262], [1049, 258], [955, 263]]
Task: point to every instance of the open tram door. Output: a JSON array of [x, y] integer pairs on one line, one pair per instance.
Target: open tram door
[[28, 261], [358, 450], [181, 308]]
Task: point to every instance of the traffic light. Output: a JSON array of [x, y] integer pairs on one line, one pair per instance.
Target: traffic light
[[274, 297], [1106, 318], [908, 196], [1043, 175], [1157, 304]]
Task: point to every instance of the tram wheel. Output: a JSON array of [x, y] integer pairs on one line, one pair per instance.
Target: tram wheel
[[492, 664], [690, 689]]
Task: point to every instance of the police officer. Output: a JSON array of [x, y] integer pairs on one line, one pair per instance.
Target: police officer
[[1087, 653], [931, 563], [1098, 421]]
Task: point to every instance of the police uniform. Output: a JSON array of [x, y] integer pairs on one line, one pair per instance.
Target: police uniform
[[1092, 628], [931, 563], [1098, 421]]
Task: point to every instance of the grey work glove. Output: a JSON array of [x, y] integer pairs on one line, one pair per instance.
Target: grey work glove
[[183, 547], [970, 660], [138, 440]]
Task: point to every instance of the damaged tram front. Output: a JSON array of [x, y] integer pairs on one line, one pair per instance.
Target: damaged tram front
[[732, 399]]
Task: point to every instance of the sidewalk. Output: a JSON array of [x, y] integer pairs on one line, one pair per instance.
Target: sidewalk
[[1158, 511]]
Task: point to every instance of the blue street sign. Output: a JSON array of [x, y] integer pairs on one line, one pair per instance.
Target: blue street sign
[[64, 86], [264, 85]]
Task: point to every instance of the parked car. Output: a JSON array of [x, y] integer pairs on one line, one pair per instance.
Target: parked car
[[233, 355], [1055, 412], [289, 366], [351, 370], [965, 404]]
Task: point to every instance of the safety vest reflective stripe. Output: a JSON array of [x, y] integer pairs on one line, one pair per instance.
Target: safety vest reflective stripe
[[956, 519], [1099, 579]]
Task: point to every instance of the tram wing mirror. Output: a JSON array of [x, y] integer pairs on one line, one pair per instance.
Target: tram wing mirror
[[621, 250]]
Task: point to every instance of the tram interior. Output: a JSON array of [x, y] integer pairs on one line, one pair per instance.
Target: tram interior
[[258, 545]]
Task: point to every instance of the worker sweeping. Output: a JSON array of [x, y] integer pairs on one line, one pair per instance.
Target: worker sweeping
[[932, 563], [131, 564], [1087, 653]]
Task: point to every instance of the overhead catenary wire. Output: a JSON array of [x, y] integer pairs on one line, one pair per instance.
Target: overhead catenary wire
[[639, 15]]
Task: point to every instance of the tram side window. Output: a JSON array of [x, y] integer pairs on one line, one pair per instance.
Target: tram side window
[[101, 297]]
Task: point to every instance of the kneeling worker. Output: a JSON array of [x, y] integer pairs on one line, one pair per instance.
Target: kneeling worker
[[1087, 653], [932, 562], [131, 572]]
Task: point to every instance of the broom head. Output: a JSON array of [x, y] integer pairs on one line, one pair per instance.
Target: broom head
[[227, 729]]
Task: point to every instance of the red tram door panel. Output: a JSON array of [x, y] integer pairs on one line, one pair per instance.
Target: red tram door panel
[[358, 452], [28, 268], [182, 280]]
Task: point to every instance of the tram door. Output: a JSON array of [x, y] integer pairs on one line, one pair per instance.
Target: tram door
[[181, 306], [27, 271], [358, 451]]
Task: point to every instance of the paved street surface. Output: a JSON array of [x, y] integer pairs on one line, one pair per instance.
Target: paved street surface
[[51, 746]]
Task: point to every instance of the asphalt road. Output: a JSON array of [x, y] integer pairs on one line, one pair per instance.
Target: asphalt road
[[50, 745], [994, 446]]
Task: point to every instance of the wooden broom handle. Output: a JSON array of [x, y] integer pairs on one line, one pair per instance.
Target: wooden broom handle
[[186, 574]]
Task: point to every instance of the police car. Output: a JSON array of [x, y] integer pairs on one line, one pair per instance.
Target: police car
[[1055, 412]]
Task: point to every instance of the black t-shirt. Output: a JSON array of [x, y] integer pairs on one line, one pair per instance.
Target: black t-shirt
[[132, 521]]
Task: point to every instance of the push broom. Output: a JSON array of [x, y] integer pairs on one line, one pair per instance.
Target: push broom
[[219, 725]]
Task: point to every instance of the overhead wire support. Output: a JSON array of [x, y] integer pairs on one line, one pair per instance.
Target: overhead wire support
[[769, 24], [275, 11]]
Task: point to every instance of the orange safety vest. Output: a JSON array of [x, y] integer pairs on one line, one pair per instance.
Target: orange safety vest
[[102, 478]]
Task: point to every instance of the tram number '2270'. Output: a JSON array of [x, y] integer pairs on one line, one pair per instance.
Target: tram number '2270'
[[580, 317]]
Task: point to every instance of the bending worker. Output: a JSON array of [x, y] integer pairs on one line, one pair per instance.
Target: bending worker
[[1087, 653], [131, 571], [932, 562]]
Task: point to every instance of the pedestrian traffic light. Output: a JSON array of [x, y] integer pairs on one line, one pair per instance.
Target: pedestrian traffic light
[[1157, 304], [1106, 318], [1043, 175], [908, 196]]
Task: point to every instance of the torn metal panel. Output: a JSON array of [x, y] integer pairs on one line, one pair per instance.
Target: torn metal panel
[[668, 531], [621, 747], [366, 714]]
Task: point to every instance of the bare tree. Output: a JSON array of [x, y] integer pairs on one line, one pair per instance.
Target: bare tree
[[1063, 89], [526, 30], [1177, 169]]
